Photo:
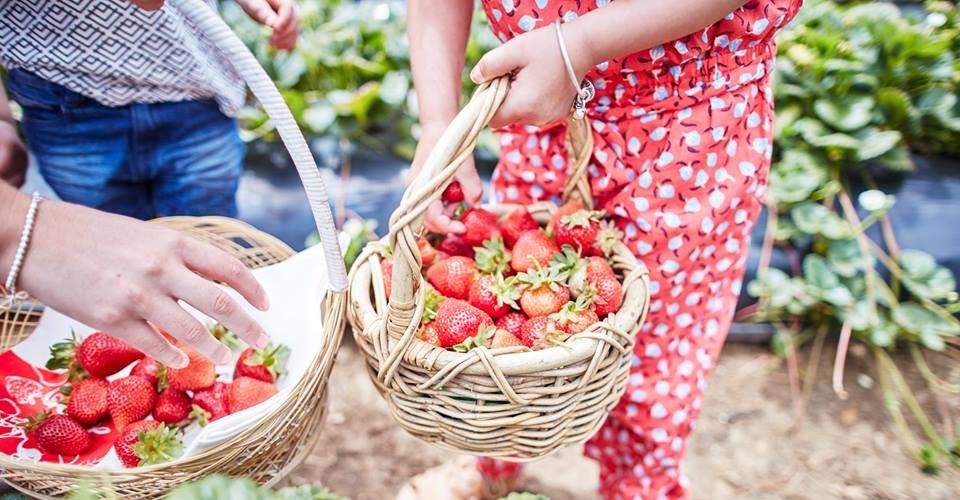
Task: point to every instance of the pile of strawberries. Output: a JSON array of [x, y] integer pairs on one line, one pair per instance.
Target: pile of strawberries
[[173, 397], [509, 282]]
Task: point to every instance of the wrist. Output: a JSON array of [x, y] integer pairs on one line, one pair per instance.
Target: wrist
[[579, 46], [13, 212]]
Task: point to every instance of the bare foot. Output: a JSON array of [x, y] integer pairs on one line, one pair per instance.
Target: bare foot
[[457, 479]]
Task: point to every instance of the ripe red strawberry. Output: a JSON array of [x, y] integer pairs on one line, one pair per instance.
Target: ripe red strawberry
[[99, 354], [149, 369], [481, 225], [88, 401], [199, 373], [453, 193], [564, 210], [453, 245], [427, 253], [543, 292], [386, 269], [578, 229], [148, 442], [246, 392], [503, 338], [265, 364], [541, 332], [607, 238], [575, 317], [58, 434], [494, 295], [457, 320], [512, 322], [586, 270], [211, 403], [453, 276], [532, 246], [607, 294], [493, 257], [516, 223], [173, 406], [429, 334], [130, 399]]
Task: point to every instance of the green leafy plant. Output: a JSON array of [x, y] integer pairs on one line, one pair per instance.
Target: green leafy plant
[[218, 486]]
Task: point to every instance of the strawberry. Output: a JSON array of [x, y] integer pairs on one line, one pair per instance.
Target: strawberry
[[88, 401], [211, 403], [512, 322], [607, 294], [453, 193], [494, 295], [493, 257], [265, 364], [564, 210], [173, 406], [457, 320], [575, 317], [148, 442], [532, 246], [429, 334], [607, 237], [432, 302], [503, 338], [199, 373], [481, 339], [427, 253], [386, 269], [577, 270], [130, 399], [516, 223], [578, 229], [99, 354], [453, 276], [149, 369], [540, 332], [58, 434], [481, 225], [453, 245], [543, 292], [246, 392]]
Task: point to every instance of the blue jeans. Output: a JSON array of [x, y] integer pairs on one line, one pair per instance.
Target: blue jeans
[[141, 160]]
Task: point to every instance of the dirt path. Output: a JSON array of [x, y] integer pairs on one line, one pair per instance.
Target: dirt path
[[745, 446]]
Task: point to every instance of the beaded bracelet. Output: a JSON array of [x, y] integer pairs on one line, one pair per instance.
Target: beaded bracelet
[[11, 282], [585, 90]]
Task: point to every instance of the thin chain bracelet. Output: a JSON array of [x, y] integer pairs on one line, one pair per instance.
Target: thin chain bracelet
[[11, 282], [585, 90]]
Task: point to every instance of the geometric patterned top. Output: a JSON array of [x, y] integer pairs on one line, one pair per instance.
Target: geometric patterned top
[[116, 53]]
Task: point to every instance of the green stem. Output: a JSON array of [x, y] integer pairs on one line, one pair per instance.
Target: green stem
[[911, 402]]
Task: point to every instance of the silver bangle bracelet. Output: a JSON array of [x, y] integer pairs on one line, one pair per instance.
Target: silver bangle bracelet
[[11, 282], [585, 90]]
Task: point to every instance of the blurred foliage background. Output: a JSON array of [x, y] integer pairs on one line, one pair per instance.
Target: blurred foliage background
[[859, 87]]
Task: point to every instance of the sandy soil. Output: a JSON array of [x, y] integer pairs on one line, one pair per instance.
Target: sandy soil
[[746, 445]]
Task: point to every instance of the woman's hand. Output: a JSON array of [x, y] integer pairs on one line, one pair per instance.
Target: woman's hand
[[115, 274], [279, 15], [13, 155], [438, 218], [541, 91]]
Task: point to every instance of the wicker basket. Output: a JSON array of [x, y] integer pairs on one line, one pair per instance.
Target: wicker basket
[[511, 402], [266, 451]]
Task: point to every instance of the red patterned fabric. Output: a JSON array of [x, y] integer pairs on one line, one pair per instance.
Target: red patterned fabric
[[683, 138]]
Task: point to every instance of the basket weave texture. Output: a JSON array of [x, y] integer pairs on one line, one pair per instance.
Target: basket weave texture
[[511, 402], [265, 452]]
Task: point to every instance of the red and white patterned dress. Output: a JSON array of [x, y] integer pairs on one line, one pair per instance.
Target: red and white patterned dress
[[683, 137]]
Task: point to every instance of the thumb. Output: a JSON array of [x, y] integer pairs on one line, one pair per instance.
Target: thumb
[[260, 11], [497, 62]]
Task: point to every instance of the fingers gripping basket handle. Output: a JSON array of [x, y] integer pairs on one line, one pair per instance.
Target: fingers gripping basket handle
[[243, 61]]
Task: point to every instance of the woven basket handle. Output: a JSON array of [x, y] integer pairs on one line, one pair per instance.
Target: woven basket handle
[[454, 146], [211, 25]]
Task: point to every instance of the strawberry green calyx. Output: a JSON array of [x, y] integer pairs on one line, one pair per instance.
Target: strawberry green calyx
[[493, 257], [607, 237], [581, 218], [481, 339], [567, 262], [432, 302], [63, 356], [506, 291], [272, 357], [550, 276], [34, 421], [571, 309], [202, 416], [224, 335], [158, 445]]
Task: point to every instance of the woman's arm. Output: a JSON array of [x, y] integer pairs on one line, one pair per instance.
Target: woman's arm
[[115, 274], [541, 92], [438, 33]]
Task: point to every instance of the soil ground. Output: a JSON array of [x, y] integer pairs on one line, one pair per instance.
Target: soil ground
[[747, 443]]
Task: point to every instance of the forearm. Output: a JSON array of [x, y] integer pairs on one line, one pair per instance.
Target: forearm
[[438, 33], [13, 208], [624, 27]]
